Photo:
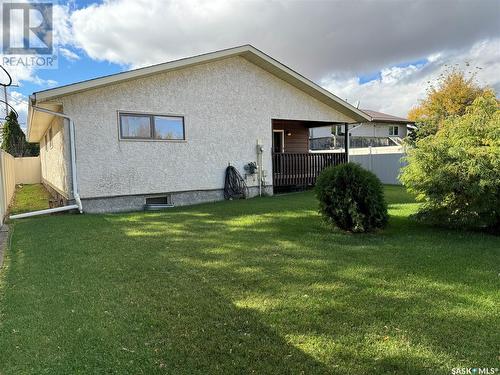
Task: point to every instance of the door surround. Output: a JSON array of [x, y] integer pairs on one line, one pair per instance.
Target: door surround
[[282, 140]]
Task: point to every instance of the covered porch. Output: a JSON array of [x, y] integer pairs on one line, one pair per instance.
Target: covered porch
[[294, 165]]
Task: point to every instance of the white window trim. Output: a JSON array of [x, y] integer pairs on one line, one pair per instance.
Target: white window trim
[[336, 131], [391, 131], [282, 131]]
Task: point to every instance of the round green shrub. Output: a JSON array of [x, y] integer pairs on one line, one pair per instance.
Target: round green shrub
[[351, 198]]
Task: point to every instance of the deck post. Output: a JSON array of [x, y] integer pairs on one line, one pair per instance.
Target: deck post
[[346, 141]]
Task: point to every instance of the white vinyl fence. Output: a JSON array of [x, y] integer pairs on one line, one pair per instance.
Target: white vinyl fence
[[7, 183], [385, 162], [15, 171], [28, 170]]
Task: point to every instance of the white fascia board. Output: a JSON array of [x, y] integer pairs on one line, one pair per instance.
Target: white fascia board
[[246, 51]]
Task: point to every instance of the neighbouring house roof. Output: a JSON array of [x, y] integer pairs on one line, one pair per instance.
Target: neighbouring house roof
[[384, 117], [37, 122]]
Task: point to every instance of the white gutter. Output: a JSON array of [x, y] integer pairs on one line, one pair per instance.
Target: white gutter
[[74, 182]]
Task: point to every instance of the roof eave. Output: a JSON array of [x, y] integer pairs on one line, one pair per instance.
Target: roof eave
[[356, 113], [43, 120], [246, 51], [31, 100], [136, 73], [392, 121]]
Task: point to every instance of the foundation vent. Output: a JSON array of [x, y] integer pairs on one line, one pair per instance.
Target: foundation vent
[[158, 202]]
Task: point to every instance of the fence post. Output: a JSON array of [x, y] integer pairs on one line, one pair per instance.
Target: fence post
[[370, 159]]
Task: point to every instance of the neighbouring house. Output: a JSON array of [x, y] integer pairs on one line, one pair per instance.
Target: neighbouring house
[[166, 133], [382, 130]]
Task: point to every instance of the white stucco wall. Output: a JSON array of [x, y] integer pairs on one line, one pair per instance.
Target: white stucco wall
[[55, 158], [227, 106], [366, 130]]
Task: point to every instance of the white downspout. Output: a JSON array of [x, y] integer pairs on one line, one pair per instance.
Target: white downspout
[[260, 150], [45, 212], [347, 139], [74, 181]]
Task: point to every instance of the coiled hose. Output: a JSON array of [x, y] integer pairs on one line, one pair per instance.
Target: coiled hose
[[234, 185]]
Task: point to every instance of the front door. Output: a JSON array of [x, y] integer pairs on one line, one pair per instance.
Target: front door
[[278, 141]]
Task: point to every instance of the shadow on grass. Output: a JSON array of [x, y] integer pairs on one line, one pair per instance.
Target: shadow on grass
[[266, 263], [261, 285]]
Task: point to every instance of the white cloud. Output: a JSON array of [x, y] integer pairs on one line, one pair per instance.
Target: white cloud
[[316, 38], [21, 73], [70, 55], [63, 33], [399, 88], [332, 42]]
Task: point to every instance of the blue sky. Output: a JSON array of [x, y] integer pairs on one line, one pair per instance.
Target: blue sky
[[382, 54], [377, 75], [69, 71], [84, 68]]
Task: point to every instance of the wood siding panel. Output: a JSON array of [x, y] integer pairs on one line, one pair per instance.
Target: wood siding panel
[[298, 141]]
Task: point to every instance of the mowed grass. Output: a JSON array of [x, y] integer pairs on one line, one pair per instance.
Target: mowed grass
[[29, 198], [259, 286]]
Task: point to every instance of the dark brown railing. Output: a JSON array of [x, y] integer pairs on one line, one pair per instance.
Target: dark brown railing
[[302, 169]]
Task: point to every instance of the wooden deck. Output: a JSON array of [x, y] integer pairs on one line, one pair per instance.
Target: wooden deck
[[302, 169]]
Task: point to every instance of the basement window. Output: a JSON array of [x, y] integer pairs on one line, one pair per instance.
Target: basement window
[[163, 199], [151, 127]]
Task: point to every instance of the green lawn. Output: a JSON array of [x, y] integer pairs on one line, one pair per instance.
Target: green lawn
[[29, 198], [257, 286]]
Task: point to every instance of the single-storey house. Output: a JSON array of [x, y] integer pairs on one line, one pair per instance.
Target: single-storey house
[[166, 133], [382, 130]]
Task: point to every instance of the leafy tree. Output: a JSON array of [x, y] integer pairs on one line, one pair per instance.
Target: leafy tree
[[32, 149], [451, 96], [456, 171], [14, 140]]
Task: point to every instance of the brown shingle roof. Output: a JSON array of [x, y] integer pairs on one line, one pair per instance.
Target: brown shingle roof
[[384, 117]]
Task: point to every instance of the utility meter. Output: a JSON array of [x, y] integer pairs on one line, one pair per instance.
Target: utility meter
[[250, 168]]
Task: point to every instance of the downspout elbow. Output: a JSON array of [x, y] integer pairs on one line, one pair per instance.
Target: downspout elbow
[[78, 202]]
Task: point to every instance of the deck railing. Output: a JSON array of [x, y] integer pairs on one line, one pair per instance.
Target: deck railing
[[302, 169]]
